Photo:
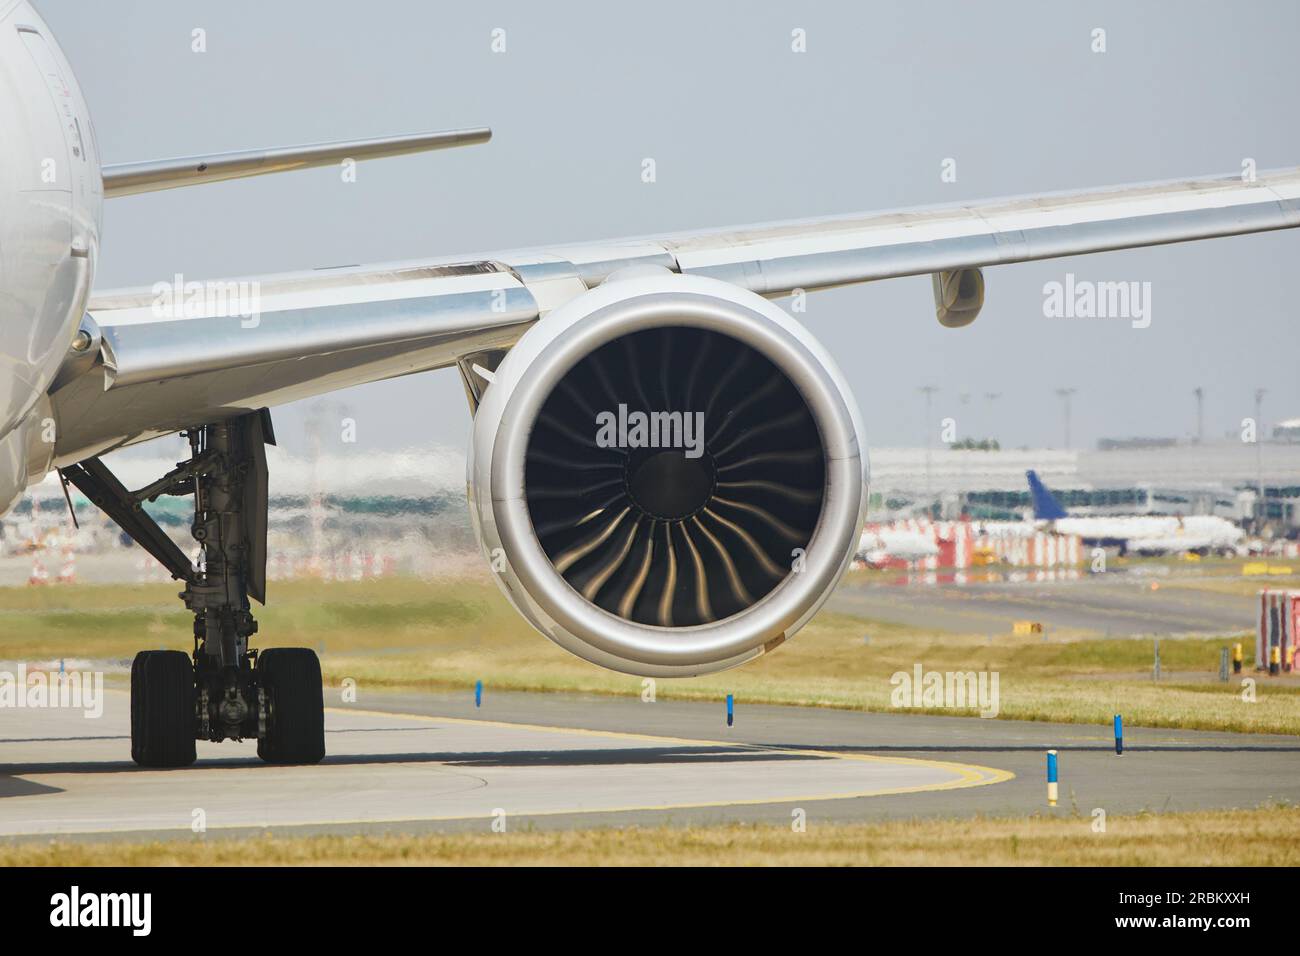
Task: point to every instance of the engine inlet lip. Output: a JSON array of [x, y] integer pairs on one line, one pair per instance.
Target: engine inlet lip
[[744, 634]]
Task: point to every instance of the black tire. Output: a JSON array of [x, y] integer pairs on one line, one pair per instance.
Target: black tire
[[162, 709], [295, 731]]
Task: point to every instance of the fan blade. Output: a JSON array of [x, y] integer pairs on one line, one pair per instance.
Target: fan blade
[[733, 576], [577, 553]]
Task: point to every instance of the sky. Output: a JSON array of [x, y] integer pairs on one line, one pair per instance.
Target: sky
[[742, 129]]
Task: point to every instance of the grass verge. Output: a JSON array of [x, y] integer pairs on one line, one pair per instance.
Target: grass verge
[[1268, 836], [408, 633]]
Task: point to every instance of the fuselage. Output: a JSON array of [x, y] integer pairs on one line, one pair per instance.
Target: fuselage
[[1156, 534], [51, 198], [878, 546]]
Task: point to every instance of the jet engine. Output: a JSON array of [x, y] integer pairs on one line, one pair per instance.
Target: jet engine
[[665, 474]]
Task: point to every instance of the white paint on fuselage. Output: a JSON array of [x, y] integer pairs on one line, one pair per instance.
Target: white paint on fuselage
[[876, 547], [1155, 534], [50, 209]]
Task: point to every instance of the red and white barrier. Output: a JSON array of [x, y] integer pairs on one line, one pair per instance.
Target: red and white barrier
[[957, 543], [336, 566], [39, 575], [68, 572], [1277, 625]]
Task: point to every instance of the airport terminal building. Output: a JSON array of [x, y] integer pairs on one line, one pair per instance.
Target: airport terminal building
[[1144, 477]]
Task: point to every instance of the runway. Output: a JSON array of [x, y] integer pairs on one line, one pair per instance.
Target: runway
[[1110, 605], [418, 762]]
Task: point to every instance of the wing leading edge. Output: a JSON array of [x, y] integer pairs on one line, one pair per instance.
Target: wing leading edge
[[776, 258]]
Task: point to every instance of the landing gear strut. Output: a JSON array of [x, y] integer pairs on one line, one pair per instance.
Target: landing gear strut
[[226, 690]]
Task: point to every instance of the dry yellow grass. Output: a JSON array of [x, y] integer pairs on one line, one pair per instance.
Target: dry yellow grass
[[1264, 837], [1237, 584], [404, 632]]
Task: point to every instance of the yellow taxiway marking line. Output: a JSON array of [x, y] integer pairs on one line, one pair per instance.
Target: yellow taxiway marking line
[[968, 775]]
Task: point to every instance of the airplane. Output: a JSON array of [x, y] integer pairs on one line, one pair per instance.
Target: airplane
[[878, 547], [1142, 534], [642, 555]]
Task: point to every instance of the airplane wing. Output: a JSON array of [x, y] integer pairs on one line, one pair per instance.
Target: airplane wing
[[160, 359], [128, 179], [776, 258]]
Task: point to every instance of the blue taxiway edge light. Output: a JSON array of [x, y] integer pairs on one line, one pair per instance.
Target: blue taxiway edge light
[[731, 711], [478, 693], [1051, 778], [1119, 734]]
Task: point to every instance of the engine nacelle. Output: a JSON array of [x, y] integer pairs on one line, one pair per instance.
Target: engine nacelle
[[665, 475]]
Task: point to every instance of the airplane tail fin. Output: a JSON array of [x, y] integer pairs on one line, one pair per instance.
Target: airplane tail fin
[[1046, 507]]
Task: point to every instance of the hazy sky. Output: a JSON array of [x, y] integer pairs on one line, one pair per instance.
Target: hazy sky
[[742, 130]]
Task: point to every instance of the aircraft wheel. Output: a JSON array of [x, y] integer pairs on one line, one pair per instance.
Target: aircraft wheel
[[295, 730], [162, 709]]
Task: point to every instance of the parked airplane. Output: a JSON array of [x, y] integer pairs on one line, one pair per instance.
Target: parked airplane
[[642, 556], [879, 547], [1141, 534]]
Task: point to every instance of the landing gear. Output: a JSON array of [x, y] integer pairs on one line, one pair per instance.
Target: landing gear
[[289, 677], [225, 691], [162, 709]]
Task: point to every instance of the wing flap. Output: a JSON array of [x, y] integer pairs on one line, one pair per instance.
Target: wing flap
[[179, 334], [160, 373]]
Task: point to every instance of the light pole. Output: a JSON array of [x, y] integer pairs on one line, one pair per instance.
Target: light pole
[[991, 397], [928, 391], [1259, 458], [1200, 413], [1065, 394]]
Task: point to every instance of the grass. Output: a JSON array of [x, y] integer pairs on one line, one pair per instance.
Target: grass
[[1235, 585], [1268, 836], [411, 633]]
